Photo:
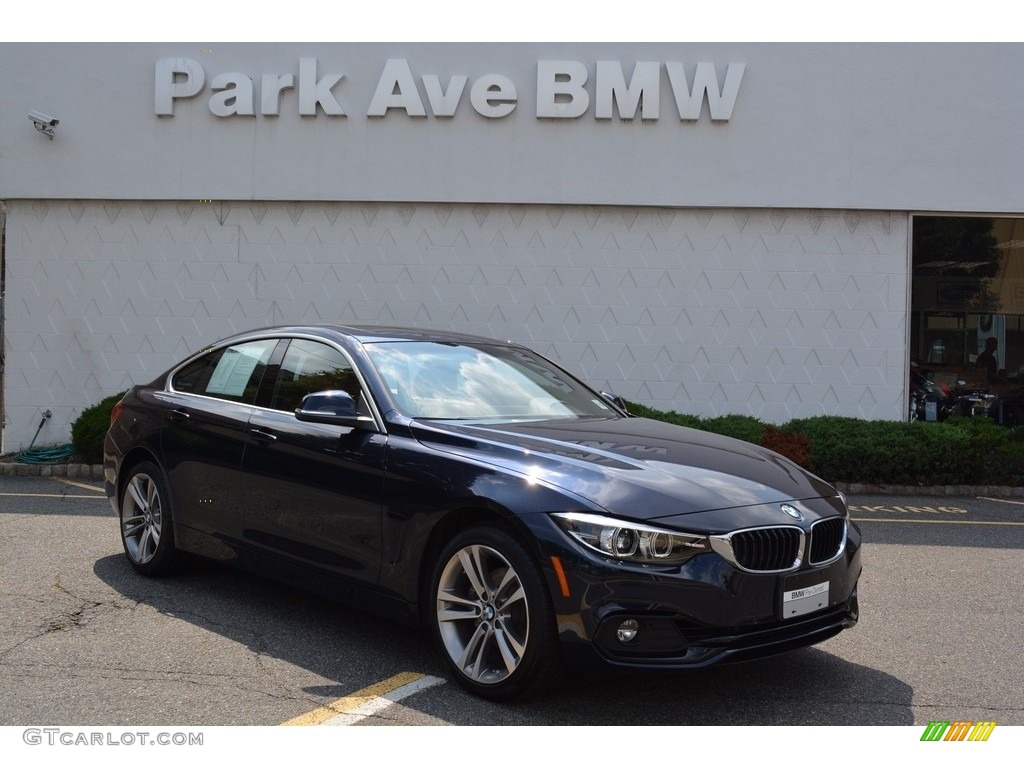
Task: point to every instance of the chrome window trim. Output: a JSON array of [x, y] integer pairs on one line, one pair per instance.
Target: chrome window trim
[[374, 409]]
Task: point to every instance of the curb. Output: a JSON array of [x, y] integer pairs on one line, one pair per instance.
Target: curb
[[15, 469], [868, 489], [95, 471]]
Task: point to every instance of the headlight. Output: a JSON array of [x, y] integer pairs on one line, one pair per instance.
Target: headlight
[[631, 542]]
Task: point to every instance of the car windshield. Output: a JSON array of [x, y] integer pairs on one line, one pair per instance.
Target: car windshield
[[435, 380]]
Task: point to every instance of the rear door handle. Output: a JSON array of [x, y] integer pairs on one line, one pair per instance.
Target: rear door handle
[[178, 414]]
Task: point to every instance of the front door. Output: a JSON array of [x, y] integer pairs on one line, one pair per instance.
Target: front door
[[312, 492]]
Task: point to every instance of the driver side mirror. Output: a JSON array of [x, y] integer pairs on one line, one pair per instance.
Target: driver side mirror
[[332, 407]]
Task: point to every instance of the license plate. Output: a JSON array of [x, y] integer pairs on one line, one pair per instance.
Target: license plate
[[797, 602]]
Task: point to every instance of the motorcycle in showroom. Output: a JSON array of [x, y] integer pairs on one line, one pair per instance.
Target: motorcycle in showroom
[[932, 400]]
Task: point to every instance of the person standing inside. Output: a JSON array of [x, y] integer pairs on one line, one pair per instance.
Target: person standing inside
[[987, 360]]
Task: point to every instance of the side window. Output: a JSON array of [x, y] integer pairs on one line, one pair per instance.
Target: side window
[[232, 373], [310, 366]]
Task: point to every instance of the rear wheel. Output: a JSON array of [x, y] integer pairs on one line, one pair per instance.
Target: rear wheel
[[147, 531], [493, 619]]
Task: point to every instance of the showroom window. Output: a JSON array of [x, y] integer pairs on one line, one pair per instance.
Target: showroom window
[[967, 302]]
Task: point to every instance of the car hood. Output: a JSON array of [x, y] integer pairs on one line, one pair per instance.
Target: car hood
[[637, 468]]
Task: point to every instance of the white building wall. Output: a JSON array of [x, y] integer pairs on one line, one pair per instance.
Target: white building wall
[[842, 126], [774, 313]]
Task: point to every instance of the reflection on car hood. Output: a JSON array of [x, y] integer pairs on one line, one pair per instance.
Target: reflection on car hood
[[638, 468]]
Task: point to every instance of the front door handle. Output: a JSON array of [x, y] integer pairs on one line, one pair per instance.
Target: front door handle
[[262, 436]]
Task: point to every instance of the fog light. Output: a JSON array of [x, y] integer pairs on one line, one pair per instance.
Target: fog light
[[627, 630]]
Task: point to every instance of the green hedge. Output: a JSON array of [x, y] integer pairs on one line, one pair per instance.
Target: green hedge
[[89, 429], [959, 451]]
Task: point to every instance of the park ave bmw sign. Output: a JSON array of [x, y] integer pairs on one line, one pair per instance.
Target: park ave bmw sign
[[564, 90]]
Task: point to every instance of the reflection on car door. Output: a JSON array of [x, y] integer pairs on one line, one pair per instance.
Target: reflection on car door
[[204, 435], [312, 492]]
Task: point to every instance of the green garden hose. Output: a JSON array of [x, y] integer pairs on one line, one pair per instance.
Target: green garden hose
[[50, 455]]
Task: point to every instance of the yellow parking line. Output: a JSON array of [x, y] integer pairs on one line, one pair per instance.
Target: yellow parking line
[[360, 699], [933, 522], [97, 488]]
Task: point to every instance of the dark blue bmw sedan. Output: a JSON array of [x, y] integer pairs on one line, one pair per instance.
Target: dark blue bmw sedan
[[475, 487]]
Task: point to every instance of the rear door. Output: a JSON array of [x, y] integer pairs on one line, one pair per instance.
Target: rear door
[[207, 409]]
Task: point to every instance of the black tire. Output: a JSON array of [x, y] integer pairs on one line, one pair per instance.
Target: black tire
[[492, 618], [147, 525]]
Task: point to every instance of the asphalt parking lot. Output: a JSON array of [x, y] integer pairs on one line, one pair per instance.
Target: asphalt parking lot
[[87, 641]]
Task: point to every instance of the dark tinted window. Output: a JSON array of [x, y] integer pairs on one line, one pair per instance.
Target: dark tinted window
[[232, 373], [967, 301], [310, 366]]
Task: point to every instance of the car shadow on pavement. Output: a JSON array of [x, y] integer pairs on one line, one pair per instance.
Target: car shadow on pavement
[[805, 687], [341, 650]]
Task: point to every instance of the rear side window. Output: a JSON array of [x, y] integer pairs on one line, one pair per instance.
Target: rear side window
[[310, 366], [232, 373]]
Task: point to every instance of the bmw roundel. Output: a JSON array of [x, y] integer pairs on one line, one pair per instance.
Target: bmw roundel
[[792, 511]]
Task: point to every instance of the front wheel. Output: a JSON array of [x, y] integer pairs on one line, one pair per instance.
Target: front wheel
[[493, 619], [147, 531]]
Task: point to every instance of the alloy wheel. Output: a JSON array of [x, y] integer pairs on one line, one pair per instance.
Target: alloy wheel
[[483, 615], [141, 518]]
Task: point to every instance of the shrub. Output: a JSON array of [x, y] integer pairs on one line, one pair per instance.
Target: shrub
[[959, 451], [888, 452], [994, 454], [736, 425], [796, 448], [682, 419], [89, 429]]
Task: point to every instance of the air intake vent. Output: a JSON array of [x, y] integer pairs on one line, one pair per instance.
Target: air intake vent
[[767, 549], [828, 539]]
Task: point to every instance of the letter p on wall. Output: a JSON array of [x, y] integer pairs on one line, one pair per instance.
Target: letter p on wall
[[176, 79]]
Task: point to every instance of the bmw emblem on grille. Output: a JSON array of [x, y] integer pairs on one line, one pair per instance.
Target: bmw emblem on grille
[[792, 511]]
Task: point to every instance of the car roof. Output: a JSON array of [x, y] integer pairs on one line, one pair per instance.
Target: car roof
[[376, 333]]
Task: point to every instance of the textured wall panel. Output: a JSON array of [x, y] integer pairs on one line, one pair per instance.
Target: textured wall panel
[[772, 313]]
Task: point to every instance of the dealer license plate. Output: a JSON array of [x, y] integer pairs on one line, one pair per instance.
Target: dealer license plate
[[797, 602]]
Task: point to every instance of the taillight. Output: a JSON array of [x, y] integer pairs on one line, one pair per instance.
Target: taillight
[[116, 410]]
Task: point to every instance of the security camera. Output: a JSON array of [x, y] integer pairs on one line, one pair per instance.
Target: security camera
[[43, 123], [41, 119]]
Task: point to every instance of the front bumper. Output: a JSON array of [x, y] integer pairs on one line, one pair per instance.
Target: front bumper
[[703, 613], [673, 642]]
